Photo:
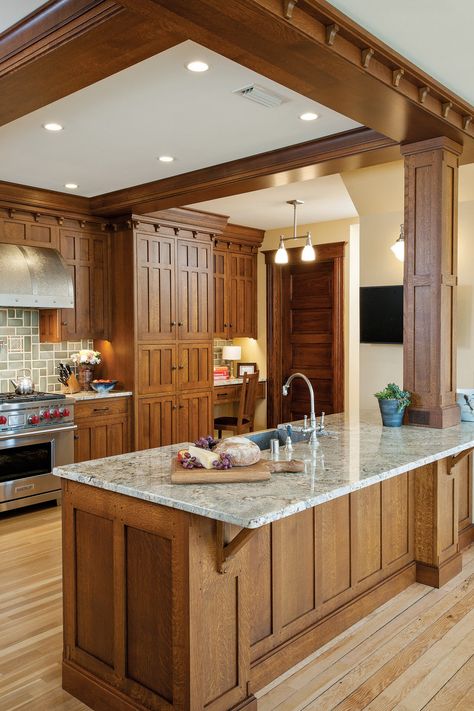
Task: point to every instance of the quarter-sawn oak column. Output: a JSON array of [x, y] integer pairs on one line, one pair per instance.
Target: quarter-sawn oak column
[[429, 348]]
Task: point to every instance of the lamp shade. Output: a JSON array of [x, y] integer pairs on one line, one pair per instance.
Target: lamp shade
[[231, 353]]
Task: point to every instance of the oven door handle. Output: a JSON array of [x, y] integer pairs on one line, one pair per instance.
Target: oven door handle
[[32, 433]]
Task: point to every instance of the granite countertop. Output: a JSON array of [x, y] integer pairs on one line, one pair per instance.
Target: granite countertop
[[92, 395], [234, 381], [353, 454]]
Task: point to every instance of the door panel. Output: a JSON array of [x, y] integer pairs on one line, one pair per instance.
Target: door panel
[[309, 340], [156, 422], [220, 295], [156, 305], [195, 418], [195, 365], [195, 312], [157, 368]]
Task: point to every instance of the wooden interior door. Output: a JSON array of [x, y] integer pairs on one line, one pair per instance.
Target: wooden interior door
[[306, 332]]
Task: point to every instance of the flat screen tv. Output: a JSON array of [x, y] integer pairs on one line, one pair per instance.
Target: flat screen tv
[[381, 314]]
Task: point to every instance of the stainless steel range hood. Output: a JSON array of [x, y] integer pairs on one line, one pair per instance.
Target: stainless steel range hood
[[34, 277]]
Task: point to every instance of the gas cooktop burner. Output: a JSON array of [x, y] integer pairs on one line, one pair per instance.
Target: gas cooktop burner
[[13, 397]]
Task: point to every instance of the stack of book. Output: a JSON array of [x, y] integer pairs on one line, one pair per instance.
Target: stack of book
[[221, 372]]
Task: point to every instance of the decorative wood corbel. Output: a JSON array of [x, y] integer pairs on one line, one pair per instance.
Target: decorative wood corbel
[[458, 458], [466, 121], [446, 108], [176, 231], [194, 234], [60, 220], [82, 224], [397, 75], [11, 212], [157, 227], [37, 216], [288, 7], [227, 551], [331, 32], [423, 92], [135, 224], [366, 55]]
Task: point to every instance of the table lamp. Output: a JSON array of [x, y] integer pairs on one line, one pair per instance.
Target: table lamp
[[232, 353]]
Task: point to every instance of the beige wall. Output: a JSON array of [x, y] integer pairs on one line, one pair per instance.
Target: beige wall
[[322, 233]]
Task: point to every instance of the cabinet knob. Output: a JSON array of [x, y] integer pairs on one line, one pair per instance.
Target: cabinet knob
[[180, 367], [174, 367], [76, 436], [225, 325], [174, 407], [230, 325], [180, 323], [181, 407], [173, 323], [63, 323]]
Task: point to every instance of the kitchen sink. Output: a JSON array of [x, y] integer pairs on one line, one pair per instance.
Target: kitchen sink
[[262, 439]]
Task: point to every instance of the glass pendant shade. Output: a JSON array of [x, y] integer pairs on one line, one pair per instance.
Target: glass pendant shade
[[281, 256], [308, 254], [399, 247]]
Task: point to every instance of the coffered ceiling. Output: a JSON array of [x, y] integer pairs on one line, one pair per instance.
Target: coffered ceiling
[[115, 130]]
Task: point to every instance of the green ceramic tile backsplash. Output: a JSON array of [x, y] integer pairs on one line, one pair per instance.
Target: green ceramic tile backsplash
[[20, 348]]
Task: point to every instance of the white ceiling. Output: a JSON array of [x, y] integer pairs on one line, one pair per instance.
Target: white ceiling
[[116, 128], [11, 11], [324, 198], [436, 35]]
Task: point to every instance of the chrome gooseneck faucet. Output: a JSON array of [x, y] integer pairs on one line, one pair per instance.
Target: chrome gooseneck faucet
[[312, 416]]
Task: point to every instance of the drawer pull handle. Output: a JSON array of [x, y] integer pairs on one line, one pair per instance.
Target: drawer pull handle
[[222, 395], [101, 409]]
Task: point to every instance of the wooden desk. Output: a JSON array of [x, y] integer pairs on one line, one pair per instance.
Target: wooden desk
[[224, 394]]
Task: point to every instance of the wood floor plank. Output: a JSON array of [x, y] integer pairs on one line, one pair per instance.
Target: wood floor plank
[[457, 694]]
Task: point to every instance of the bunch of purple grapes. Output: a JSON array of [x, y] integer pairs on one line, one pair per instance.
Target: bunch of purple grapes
[[190, 462], [223, 462], [205, 442]]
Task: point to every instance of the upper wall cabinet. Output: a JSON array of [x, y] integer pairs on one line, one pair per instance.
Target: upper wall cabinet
[[86, 254], [28, 228], [235, 282]]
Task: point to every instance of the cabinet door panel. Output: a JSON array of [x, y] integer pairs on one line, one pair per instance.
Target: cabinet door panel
[[83, 444], [195, 365], [195, 308], [463, 473], [86, 256], [220, 295], [29, 233], [156, 306], [157, 369], [156, 422], [117, 437], [195, 416], [242, 279]]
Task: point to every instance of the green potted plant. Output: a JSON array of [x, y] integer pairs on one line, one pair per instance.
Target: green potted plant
[[392, 402]]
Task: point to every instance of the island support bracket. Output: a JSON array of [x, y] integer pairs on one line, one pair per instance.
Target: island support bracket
[[227, 551], [452, 461]]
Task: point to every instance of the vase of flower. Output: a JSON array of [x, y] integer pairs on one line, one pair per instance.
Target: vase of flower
[[85, 361]]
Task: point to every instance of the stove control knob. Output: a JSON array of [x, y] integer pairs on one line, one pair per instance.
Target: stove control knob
[[54, 413], [3, 420], [64, 412], [44, 414], [33, 420]]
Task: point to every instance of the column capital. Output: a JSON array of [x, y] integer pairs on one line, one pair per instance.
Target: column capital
[[431, 144]]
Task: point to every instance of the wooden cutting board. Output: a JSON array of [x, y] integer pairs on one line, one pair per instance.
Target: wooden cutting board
[[261, 471]]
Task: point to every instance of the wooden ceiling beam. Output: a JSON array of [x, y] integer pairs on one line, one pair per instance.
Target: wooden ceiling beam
[[67, 45], [304, 161], [319, 52]]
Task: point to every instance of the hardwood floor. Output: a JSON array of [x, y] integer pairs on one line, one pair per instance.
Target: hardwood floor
[[415, 652]]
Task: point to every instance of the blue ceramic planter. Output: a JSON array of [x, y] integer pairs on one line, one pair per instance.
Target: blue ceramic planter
[[390, 415]]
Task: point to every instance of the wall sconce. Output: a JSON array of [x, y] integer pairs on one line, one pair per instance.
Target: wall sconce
[[399, 247]]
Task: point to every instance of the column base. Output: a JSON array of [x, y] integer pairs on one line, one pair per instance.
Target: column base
[[436, 577], [438, 417], [466, 537]]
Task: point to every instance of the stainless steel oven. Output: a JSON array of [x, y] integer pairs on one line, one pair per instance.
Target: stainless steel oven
[[28, 456]]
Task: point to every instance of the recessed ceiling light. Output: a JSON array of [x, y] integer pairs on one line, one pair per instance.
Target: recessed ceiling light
[[53, 126], [309, 116], [197, 66], [71, 186], [166, 159]]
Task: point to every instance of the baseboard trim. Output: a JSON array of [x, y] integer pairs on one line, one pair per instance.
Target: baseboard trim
[[436, 577], [94, 693], [466, 537], [282, 658]]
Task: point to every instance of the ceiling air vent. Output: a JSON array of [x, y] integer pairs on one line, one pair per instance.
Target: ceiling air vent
[[257, 93]]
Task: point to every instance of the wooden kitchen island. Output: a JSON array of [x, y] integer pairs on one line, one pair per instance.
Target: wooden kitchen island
[[194, 597]]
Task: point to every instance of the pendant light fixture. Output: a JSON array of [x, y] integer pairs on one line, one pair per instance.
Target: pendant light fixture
[[398, 248], [308, 253]]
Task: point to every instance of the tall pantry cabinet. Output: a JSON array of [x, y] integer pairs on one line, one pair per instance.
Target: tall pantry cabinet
[[162, 322]]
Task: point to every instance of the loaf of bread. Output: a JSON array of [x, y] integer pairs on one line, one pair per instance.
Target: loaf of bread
[[242, 451]]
